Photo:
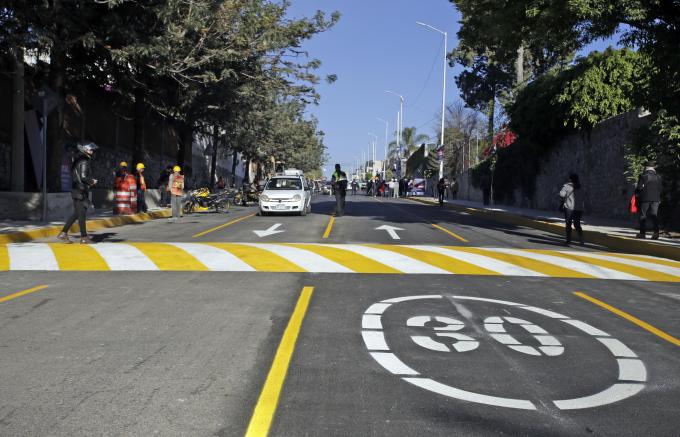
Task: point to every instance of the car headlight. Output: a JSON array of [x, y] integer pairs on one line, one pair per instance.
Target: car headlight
[[264, 198], [297, 198]]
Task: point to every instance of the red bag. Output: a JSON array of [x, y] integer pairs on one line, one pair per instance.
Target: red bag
[[633, 204]]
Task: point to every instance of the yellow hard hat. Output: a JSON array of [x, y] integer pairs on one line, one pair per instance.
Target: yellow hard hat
[[176, 169], [122, 164], [140, 166]]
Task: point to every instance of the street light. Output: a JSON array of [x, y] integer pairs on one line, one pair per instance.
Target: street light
[[400, 120], [387, 128], [441, 163], [373, 144]]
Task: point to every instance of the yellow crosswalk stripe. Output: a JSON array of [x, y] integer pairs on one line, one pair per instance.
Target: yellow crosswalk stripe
[[437, 260], [78, 257], [260, 259], [537, 266], [660, 261], [643, 273], [168, 257], [4, 258], [351, 260]]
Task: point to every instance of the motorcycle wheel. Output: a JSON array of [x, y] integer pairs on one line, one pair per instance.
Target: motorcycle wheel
[[188, 207]]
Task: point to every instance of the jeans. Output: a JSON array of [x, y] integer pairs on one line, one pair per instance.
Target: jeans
[[649, 209], [572, 216], [80, 214], [164, 195], [141, 202], [339, 202], [176, 206]]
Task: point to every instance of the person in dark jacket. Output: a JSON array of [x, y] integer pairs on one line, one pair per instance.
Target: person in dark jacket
[[648, 191], [574, 204], [163, 186], [80, 193], [339, 182]]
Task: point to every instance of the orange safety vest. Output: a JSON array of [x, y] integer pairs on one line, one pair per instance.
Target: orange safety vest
[[177, 187], [142, 182]]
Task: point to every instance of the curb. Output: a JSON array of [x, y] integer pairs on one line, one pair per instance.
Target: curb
[[610, 241], [95, 224]]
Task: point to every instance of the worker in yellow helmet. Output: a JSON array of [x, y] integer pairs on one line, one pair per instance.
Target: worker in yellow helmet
[[141, 188], [176, 189]]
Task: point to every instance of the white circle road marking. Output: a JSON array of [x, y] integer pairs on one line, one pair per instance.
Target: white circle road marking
[[632, 371]]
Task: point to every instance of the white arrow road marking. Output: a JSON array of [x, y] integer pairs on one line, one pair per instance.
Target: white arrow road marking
[[271, 231], [390, 230]]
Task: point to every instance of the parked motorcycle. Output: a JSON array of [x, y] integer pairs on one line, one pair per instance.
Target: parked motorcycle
[[247, 195], [203, 200]]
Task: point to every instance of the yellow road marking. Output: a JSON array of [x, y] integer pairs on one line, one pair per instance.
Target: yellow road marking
[[329, 227], [259, 259], [349, 259], [454, 235], [262, 417], [78, 257], [630, 318], [22, 293], [438, 260], [527, 263], [660, 261], [4, 258], [169, 257], [217, 228], [650, 275]]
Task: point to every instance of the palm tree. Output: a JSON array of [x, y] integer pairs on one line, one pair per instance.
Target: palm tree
[[409, 142]]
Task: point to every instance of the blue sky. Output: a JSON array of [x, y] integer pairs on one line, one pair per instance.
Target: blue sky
[[378, 46]]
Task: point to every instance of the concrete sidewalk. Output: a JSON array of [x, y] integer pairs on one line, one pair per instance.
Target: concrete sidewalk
[[615, 234], [22, 231]]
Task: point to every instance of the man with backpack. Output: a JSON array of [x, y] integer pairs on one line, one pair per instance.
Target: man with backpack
[[648, 191]]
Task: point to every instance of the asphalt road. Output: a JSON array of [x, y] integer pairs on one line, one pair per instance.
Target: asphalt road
[[233, 353]]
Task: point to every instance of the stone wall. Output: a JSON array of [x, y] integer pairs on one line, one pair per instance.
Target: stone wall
[[597, 156]]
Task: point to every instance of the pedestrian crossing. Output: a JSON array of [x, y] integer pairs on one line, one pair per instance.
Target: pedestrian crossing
[[336, 258]]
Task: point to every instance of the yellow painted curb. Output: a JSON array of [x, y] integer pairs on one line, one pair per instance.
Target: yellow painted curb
[[613, 242], [92, 225]]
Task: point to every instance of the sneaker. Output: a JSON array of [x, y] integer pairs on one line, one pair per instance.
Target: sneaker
[[63, 237], [641, 236], [86, 240]]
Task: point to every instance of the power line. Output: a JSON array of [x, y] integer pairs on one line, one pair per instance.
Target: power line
[[429, 76]]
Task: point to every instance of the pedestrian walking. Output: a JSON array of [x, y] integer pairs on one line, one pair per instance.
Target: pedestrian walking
[[355, 185], [441, 190], [572, 198], [648, 191], [81, 181], [163, 186], [369, 187], [176, 189], [454, 188], [339, 183], [141, 188]]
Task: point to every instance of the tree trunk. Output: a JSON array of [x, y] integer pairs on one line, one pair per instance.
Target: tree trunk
[[519, 66], [234, 163], [55, 122], [17, 169], [490, 118], [139, 114], [213, 161]]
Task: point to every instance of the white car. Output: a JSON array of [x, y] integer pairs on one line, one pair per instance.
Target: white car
[[286, 193]]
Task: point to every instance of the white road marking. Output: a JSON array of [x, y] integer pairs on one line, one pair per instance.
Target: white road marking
[[393, 364], [407, 298], [371, 321], [395, 260], [632, 370], [505, 339], [484, 299], [429, 343], [546, 313], [578, 266], [529, 350], [124, 257], [375, 340], [452, 392], [674, 271], [617, 348], [271, 231], [31, 256], [615, 393], [464, 343], [377, 308], [391, 230], [306, 259], [486, 262], [583, 326], [214, 258]]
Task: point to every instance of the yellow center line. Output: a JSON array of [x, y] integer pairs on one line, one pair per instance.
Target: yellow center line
[[263, 415], [630, 318], [450, 233], [22, 293], [223, 225], [327, 233]]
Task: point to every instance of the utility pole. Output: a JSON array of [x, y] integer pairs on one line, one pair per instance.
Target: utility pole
[[17, 169]]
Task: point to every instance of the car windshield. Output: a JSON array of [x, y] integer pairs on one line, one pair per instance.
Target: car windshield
[[284, 184]]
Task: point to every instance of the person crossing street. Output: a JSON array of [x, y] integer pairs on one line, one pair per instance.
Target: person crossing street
[[80, 193], [339, 182], [648, 191]]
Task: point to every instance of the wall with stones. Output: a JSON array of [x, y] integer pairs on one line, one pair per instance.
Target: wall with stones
[[598, 156]]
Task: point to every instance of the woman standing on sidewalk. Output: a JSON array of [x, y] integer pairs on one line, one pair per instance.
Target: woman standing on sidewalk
[[572, 198]]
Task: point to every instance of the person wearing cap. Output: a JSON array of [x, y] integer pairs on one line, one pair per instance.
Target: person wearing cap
[[648, 192], [141, 188], [163, 186], [176, 189], [120, 173], [339, 183], [81, 181]]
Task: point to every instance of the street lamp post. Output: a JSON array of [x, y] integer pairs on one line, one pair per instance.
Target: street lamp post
[[400, 121], [441, 162], [387, 128], [373, 144]]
